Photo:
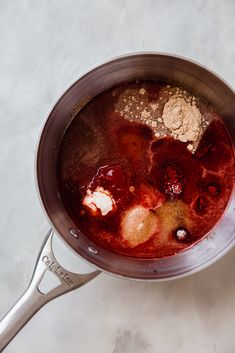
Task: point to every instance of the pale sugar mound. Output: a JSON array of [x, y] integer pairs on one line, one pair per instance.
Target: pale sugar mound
[[138, 225]]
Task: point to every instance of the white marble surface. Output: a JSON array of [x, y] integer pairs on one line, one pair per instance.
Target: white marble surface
[[43, 45]]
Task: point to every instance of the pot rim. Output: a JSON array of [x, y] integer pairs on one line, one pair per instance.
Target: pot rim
[[50, 110]]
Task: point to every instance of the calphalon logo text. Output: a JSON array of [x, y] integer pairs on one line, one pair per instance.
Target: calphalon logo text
[[57, 270]]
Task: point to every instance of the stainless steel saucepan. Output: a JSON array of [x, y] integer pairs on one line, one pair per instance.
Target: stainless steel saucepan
[[122, 69]]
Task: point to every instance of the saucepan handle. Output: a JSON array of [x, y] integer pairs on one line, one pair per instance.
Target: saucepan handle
[[33, 299]]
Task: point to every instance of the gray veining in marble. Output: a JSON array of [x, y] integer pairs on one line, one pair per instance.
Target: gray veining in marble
[[43, 45]]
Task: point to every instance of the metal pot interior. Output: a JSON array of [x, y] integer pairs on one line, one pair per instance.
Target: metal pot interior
[[124, 69]]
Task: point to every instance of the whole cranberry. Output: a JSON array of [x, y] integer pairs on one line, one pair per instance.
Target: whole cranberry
[[182, 235], [173, 181]]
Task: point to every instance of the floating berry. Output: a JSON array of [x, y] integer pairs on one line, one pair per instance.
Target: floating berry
[[174, 170], [211, 186], [182, 235], [173, 181], [213, 189]]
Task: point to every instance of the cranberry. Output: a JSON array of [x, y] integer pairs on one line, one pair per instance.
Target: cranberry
[[213, 189], [210, 186], [173, 187], [173, 183], [182, 235]]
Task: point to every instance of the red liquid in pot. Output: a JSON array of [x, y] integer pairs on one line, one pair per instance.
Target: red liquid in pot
[[176, 196]]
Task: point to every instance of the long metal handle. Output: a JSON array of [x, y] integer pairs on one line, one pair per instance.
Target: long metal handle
[[32, 300]]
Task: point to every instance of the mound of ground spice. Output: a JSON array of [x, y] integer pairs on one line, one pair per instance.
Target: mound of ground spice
[[182, 118]]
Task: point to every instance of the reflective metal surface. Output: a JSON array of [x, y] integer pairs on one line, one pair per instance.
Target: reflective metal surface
[[128, 68], [33, 298]]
